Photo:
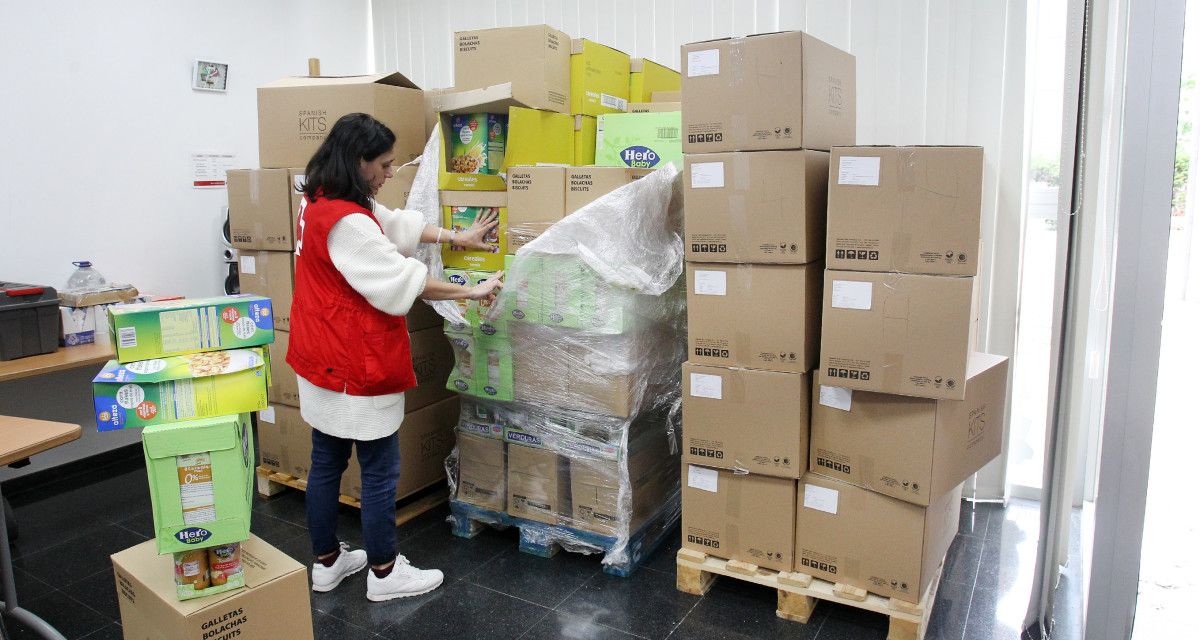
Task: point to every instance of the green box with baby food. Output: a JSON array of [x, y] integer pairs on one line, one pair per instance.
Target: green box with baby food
[[177, 327], [639, 140], [483, 365], [188, 387]]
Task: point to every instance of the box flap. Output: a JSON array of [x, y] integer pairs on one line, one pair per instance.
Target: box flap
[[394, 79], [193, 436], [494, 99]]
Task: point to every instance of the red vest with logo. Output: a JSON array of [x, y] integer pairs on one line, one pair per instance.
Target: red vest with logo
[[338, 341]]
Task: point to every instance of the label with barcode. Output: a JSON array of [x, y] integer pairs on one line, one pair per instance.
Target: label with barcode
[[613, 102], [668, 133], [127, 337]]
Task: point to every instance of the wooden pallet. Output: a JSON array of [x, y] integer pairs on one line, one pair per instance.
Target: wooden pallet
[[798, 592], [271, 483]]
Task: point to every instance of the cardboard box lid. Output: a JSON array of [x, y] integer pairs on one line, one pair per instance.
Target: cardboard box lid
[[393, 79], [578, 45], [497, 199], [169, 439], [496, 98]]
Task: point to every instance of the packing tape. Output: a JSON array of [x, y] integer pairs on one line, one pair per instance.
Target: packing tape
[[733, 537], [739, 128], [255, 188], [741, 171], [902, 242], [258, 234], [737, 63], [893, 370], [866, 471], [907, 169]]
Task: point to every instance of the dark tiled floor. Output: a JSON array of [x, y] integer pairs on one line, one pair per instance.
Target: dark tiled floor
[[492, 591]]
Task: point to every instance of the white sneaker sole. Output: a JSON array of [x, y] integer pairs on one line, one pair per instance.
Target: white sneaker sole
[[330, 587], [392, 596]]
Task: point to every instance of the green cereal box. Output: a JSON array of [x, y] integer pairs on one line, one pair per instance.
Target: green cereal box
[[477, 143], [639, 140], [188, 387], [177, 327], [459, 219]]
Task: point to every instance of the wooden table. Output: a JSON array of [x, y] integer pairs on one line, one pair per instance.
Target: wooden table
[[19, 439], [61, 360]]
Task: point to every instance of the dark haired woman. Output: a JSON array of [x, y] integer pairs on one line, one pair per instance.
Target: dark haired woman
[[355, 281]]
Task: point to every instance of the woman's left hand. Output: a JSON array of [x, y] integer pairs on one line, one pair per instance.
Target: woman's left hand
[[473, 237]]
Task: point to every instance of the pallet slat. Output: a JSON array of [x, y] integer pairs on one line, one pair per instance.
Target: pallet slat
[[271, 483]]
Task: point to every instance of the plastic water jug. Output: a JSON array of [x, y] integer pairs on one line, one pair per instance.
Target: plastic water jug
[[85, 277]]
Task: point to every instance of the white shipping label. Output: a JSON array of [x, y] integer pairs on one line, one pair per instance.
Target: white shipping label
[[859, 170], [267, 415], [836, 397], [705, 385], [710, 283], [820, 498], [248, 264], [613, 102], [704, 63], [851, 294], [708, 175], [701, 478]]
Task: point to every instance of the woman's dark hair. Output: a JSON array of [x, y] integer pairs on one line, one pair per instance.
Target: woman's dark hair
[[333, 170]]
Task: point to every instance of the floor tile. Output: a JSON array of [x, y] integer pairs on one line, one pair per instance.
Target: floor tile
[[288, 505], [544, 581], [97, 591], [141, 523], [973, 518], [737, 610], [645, 604], [962, 560], [77, 511], [69, 616], [274, 530], [848, 623], [950, 608], [349, 602], [72, 560], [463, 611], [28, 586], [327, 627], [564, 626], [663, 558], [107, 632], [437, 548]]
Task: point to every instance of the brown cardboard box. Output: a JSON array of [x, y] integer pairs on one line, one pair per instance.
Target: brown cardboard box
[[896, 333], [291, 436], [270, 274], [394, 193], [850, 535], [750, 518], [535, 59], [482, 478], [654, 107], [652, 473], [584, 141], [536, 200], [585, 184], [296, 182], [905, 209], [746, 419], [273, 604], [765, 207], [911, 449], [432, 362], [270, 441], [284, 389], [432, 107], [538, 485], [784, 90], [666, 96], [754, 316], [426, 438], [295, 114], [260, 209]]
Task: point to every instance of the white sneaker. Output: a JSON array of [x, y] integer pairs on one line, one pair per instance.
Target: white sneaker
[[405, 580], [348, 563]]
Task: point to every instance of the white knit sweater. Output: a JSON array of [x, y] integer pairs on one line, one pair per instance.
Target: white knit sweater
[[374, 264]]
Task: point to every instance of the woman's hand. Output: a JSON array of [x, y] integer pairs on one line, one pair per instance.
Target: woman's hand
[[487, 289], [472, 238]]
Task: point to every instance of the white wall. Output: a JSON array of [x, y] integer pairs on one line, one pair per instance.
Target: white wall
[[100, 119]]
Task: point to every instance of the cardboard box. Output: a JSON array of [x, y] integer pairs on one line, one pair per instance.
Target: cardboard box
[[896, 333], [538, 484], [260, 209], [754, 316], [482, 476], [295, 114], [746, 420], [284, 389], [535, 60], [750, 518], [483, 366], [432, 362], [586, 184], [296, 181], [651, 472], [273, 604], [599, 78], [271, 440], [270, 274], [647, 77], [765, 207], [433, 105], [911, 449], [905, 209], [78, 325], [426, 438], [785, 90], [667, 96], [655, 107], [293, 436], [394, 193], [853, 536], [201, 477], [177, 327], [584, 141], [459, 210], [536, 200], [190, 387], [638, 140]]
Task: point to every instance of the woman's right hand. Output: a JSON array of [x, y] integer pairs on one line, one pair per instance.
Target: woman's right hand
[[487, 289]]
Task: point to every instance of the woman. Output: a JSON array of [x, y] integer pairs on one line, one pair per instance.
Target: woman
[[355, 281]]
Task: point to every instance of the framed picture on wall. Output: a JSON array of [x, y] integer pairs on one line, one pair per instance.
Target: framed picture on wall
[[210, 76]]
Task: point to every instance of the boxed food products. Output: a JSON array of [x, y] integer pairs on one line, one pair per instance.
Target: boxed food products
[[269, 274], [764, 207], [79, 325], [459, 211], [177, 327], [896, 333], [746, 420], [853, 536], [754, 316], [284, 389], [785, 90], [201, 573], [482, 477], [649, 471], [201, 476], [295, 114], [535, 60], [912, 449], [111, 293], [260, 209], [523, 278], [905, 209], [273, 604], [599, 78], [425, 439], [744, 517], [198, 385], [535, 201], [647, 77], [477, 142], [483, 366], [584, 141], [638, 140], [538, 484]]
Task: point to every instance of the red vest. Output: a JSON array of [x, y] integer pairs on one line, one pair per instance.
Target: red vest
[[339, 341]]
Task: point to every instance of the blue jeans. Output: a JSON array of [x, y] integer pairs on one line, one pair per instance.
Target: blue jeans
[[380, 463]]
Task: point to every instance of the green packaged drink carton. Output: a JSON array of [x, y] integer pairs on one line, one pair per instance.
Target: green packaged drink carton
[[483, 366], [639, 140], [197, 385], [462, 377], [177, 327], [201, 476], [573, 296], [477, 142], [522, 297]]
